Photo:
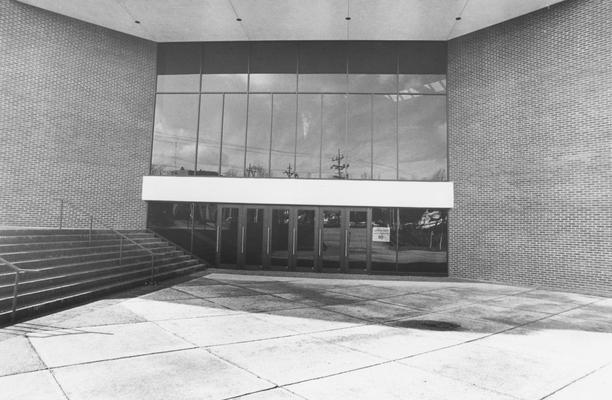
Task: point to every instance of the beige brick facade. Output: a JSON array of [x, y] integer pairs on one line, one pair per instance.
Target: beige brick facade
[[530, 149], [76, 116]]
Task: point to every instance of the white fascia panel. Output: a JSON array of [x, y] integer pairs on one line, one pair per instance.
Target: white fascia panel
[[313, 192]]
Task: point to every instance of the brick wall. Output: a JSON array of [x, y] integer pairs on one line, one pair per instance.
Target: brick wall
[[76, 115], [530, 149]]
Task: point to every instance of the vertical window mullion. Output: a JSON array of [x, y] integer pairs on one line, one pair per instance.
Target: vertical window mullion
[[397, 119], [271, 130], [221, 138], [246, 117], [195, 165], [297, 105], [371, 136]]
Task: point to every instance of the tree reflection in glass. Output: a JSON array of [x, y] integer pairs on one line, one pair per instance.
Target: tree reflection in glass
[[334, 136], [422, 240]]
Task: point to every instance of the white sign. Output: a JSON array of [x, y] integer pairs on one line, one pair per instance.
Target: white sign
[[381, 234]]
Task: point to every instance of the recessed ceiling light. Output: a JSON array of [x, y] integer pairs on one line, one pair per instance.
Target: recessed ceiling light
[[137, 22], [347, 18], [458, 18], [239, 19]]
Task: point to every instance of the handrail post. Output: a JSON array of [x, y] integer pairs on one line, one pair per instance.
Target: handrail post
[[61, 213], [15, 294], [121, 251], [90, 227], [152, 268]]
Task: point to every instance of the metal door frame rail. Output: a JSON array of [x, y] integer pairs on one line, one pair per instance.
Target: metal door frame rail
[[97, 220]]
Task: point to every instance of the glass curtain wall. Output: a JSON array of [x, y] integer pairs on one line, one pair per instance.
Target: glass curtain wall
[[399, 240], [331, 110]]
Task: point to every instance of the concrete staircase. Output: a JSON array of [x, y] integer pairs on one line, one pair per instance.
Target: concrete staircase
[[64, 266]]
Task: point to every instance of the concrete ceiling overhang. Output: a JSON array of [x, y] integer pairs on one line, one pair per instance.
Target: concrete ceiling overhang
[[217, 20]]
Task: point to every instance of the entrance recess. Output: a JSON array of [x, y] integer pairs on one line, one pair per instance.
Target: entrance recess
[[325, 239]]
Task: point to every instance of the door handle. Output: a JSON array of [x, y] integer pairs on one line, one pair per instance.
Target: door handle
[[294, 240], [218, 237], [320, 239], [242, 241], [268, 242]]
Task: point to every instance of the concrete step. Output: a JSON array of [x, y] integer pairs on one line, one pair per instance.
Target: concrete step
[[7, 276], [84, 257], [70, 266], [26, 311], [41, 254], [60, 244], [34, 236], [87, 281], [36, 281]]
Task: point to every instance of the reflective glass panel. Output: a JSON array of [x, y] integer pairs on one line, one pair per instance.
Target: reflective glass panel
[[422, 241], [178, 67], [258, 136], [384, 143], [322, 58], [273, 57], [283, 136], [422, 83], [333, 160], [178, 83], [305, 238], [225, 58], [224, 82], [323, 83], [228, 248], [422, 138], [273, 83], [254, 236], [279, 243], [372, 83], [174, 138], [209, 140], [172, 221], [234, 126], [309, 136], [372, 58], [359, 143], [205, 231], [332, 238], [422, 57], [358, 240], [384, 239]]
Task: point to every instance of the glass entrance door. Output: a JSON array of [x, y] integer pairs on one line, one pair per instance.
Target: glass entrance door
[[331, 239], [358, 238], [252, 237], [304, 238], [228, 223], [279, 245]]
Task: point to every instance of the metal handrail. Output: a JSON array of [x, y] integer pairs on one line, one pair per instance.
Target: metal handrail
[[17, 271], [97, 220]]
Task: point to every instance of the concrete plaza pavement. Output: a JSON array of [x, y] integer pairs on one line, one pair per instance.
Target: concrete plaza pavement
[[220, 335]]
